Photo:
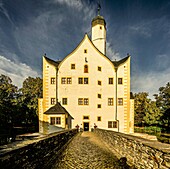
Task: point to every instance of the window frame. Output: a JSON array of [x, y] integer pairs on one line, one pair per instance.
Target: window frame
[[99, 118], [99, 82], [86, 68], [73, 66], [112, 124], [120, 81], [58, 120], [52, 80], [110, 101], [52, 100], [111, 81], [120, 101], [64, 101], [99, 68]]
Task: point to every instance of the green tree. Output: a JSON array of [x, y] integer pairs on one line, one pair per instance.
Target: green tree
[[31, 91], [8, 93], [163, 102]]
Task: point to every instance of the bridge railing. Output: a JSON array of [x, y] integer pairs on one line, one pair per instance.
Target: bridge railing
[[39, 153]]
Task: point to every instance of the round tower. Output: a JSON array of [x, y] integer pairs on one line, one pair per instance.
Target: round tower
[[99, 33]]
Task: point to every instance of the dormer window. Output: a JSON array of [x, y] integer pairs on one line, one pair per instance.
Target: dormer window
[[85, 68]]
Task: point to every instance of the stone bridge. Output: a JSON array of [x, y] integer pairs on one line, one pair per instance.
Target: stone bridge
[[100, 149]]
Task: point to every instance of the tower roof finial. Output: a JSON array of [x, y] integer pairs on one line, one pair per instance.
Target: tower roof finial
[[98, 9]]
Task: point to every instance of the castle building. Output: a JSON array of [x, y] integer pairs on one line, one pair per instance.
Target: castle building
[[86, 88]]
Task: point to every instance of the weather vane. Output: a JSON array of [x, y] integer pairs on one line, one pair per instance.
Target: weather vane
[[98, 9]]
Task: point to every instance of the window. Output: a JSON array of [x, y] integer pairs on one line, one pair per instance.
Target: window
[[86, 80], [82, 80], [85, 68], [99, 68], [52, 120], [52, 80], [120, 80], [73, 66], [86, 101], [63, 80], [112, 124], [64, 101], [99, 118], [99, 82], [86, 117], [110, 101], [83, 101], [111, 80], [99, 96], [85, 50], [55, 120], [69, 81], [120, 101], [58, 120], [52, 100], [100, 27], [99, 106], [80, 101]]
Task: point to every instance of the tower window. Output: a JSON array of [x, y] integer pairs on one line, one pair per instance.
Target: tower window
[[111, 80], [100, 27], [120, 80], [53, 80], [85, 68], [110, 101], [73, 66], [120, 101], [99, 118], [52, 101], [99, 68], [64, 101], [85, 50]]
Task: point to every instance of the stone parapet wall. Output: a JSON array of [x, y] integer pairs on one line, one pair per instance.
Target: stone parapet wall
[[39, 153], [140, 153]]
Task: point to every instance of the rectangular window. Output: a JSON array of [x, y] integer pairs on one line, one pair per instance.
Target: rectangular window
[[120, 101], [99, 106], [99, 96], [69, 80], [80, 101], [64, 101], [73, 66], [85, 50], [99, 68], [86, 101], [52, 120], [120, 80], [99, 82], [110, 101], [110, 80], [58, 120], [112, 124], [63, 80], [86, 117], [86, 80], [99, 118], [52, 101], [52, 80], [80, 80]]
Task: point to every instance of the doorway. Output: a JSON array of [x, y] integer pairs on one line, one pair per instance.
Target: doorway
[[86, 126]]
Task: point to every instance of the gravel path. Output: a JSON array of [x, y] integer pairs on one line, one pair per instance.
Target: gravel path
[[87, 151]]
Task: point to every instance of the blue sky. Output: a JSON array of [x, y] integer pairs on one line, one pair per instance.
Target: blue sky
[[30, 28]]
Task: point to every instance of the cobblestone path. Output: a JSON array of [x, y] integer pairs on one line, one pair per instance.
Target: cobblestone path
[[87, 151]]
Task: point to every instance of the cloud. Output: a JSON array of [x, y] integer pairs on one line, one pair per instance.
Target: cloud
[[150, 82], [18, 72], [111, 53]]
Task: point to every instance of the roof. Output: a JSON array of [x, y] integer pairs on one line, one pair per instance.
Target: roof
[[56, 109], [98, 20], [118, 63], [52, 62]]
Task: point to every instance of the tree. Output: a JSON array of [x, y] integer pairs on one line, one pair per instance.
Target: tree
[[146, 111], [163, 102], [30, 92], [7, 100]]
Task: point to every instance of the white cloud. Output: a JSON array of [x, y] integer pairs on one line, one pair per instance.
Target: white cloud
[[18, 72], [150, 82], [111, 53]]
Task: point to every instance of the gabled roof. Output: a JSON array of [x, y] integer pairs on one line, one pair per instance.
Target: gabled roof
[[57, 109], [52, 62]]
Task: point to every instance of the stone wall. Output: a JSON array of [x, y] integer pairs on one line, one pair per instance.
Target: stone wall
[[140, 153], [38, 153]]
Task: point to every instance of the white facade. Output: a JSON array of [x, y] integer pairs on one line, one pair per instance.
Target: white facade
[[91, 87]]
